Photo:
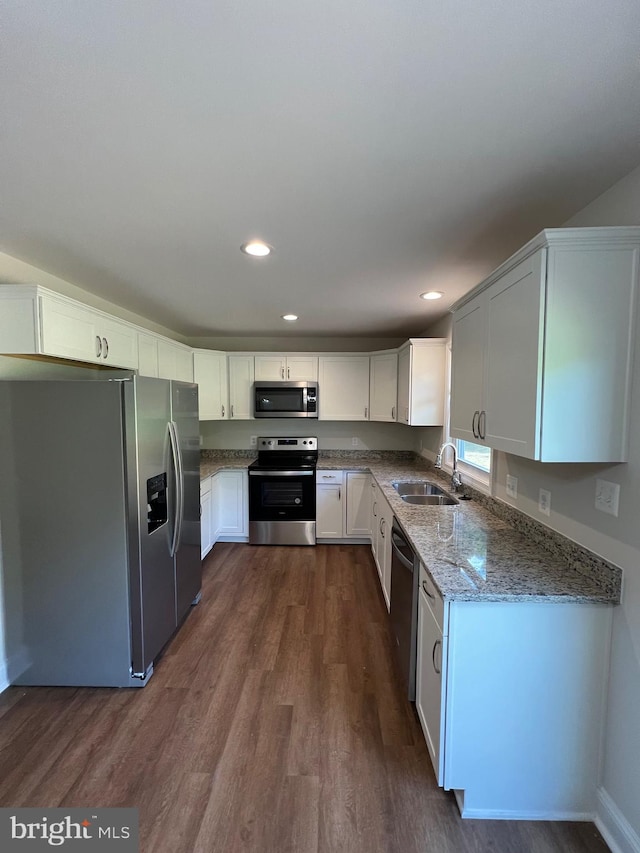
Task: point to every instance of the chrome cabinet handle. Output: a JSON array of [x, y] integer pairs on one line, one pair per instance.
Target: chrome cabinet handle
[[282, 372], [426, 591], [223, 411], [98, 346], [482, 430], [406, 415], [474, 428], [366, 411], [375, 504], [382, 527], [232, 410], [288, 373], [433, 656], [339, 494], [106, 348], [393, 413]]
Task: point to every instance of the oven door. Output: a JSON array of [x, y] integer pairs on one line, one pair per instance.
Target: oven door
[[282, 507]]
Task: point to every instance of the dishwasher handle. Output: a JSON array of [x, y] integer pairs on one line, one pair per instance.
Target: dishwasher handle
[[397, 541]]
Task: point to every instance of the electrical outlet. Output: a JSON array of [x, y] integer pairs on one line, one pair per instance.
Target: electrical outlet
[[544, 501], [354, 441], [253, 440], [607, 496], [512, 486]]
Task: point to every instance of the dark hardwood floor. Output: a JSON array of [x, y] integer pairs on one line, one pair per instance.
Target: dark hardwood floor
[[274, 722]]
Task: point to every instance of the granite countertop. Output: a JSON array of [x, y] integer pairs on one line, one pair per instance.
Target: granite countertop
[[480, 549]]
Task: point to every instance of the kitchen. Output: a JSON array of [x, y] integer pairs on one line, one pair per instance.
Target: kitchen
[[614, 200]]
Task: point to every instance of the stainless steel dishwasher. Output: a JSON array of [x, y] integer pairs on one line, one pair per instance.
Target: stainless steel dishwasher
[[405, 574]]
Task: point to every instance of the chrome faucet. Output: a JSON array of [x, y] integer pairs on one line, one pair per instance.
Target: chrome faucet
[[456, 479]]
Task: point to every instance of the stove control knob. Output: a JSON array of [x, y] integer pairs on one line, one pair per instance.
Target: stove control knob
[[297, 500]]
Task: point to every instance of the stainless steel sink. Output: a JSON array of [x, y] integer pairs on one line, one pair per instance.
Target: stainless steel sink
[[429, 500], [424, 493]]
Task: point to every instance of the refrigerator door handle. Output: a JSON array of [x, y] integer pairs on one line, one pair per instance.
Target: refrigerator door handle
[[180, 485], [178, 497]]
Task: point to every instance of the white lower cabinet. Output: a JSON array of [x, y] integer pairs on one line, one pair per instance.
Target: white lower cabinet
[[510, 699], [358, 504], [329, 504], [381, 524], [342, 504], [206, 533], [233, 503]]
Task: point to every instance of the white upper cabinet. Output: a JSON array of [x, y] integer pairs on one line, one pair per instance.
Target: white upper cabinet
[[147, 354], [210, 374], [343, 387], [175, 361], [383, 387], [36, 320], [421, 381], [274, 367], [542, 350], [241, 378]]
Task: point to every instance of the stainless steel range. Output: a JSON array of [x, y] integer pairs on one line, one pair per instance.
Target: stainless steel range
[[282, 492]]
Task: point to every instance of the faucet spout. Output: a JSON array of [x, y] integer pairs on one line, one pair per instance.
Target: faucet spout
[[456, 480]]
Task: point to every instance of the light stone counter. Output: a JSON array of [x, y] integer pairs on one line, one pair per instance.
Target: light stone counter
[[481, 549]]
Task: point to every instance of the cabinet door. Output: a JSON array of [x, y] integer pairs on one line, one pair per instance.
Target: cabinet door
[[467, 370], [241, 376], [383, 387], [404, 381], [205, 522], [384, 549], [233, 503], [69, 330], [514, 351], [210, 373], [343, 388], [329, 512], [119, 343], [147, 355], [215, 509], [375, 526], [174, 361], [358, 520], [429, 681], [302, 368], [270, 368]]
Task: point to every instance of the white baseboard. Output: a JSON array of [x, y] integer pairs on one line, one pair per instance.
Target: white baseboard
[[614, 827], [13, 667], [516, 814]]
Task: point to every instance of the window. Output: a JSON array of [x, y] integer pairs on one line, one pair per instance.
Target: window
[[475, 454]]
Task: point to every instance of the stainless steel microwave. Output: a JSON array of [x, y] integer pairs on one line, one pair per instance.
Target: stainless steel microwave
[[285, 399]]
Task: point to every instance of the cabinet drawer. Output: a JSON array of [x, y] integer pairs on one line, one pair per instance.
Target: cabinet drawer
[[332, 477], [433, 597]]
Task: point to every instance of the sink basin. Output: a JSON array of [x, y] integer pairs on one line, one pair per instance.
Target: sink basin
[[424, 493], [429, 500], [422, 488]]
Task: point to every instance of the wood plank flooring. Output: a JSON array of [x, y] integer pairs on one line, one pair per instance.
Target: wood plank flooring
[[274, 722]]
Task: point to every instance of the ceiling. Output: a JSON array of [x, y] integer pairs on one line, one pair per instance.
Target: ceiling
[[383, 147]]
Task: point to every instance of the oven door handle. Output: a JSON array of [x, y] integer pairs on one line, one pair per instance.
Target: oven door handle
[[281, 473]]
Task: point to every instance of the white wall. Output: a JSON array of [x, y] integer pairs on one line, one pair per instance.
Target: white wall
[[572, 490]]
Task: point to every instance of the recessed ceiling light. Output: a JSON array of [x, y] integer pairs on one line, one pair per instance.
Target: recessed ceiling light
[[432, 294], [256, 248], [290, 317]]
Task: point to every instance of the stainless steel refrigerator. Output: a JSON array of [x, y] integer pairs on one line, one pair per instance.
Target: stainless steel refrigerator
[[109, 507]]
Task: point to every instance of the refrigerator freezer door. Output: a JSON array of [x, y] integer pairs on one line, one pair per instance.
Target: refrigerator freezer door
[[188, 565], [153, 615]]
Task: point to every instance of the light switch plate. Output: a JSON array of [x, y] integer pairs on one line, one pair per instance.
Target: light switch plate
[[512, 486], [607, 496]]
